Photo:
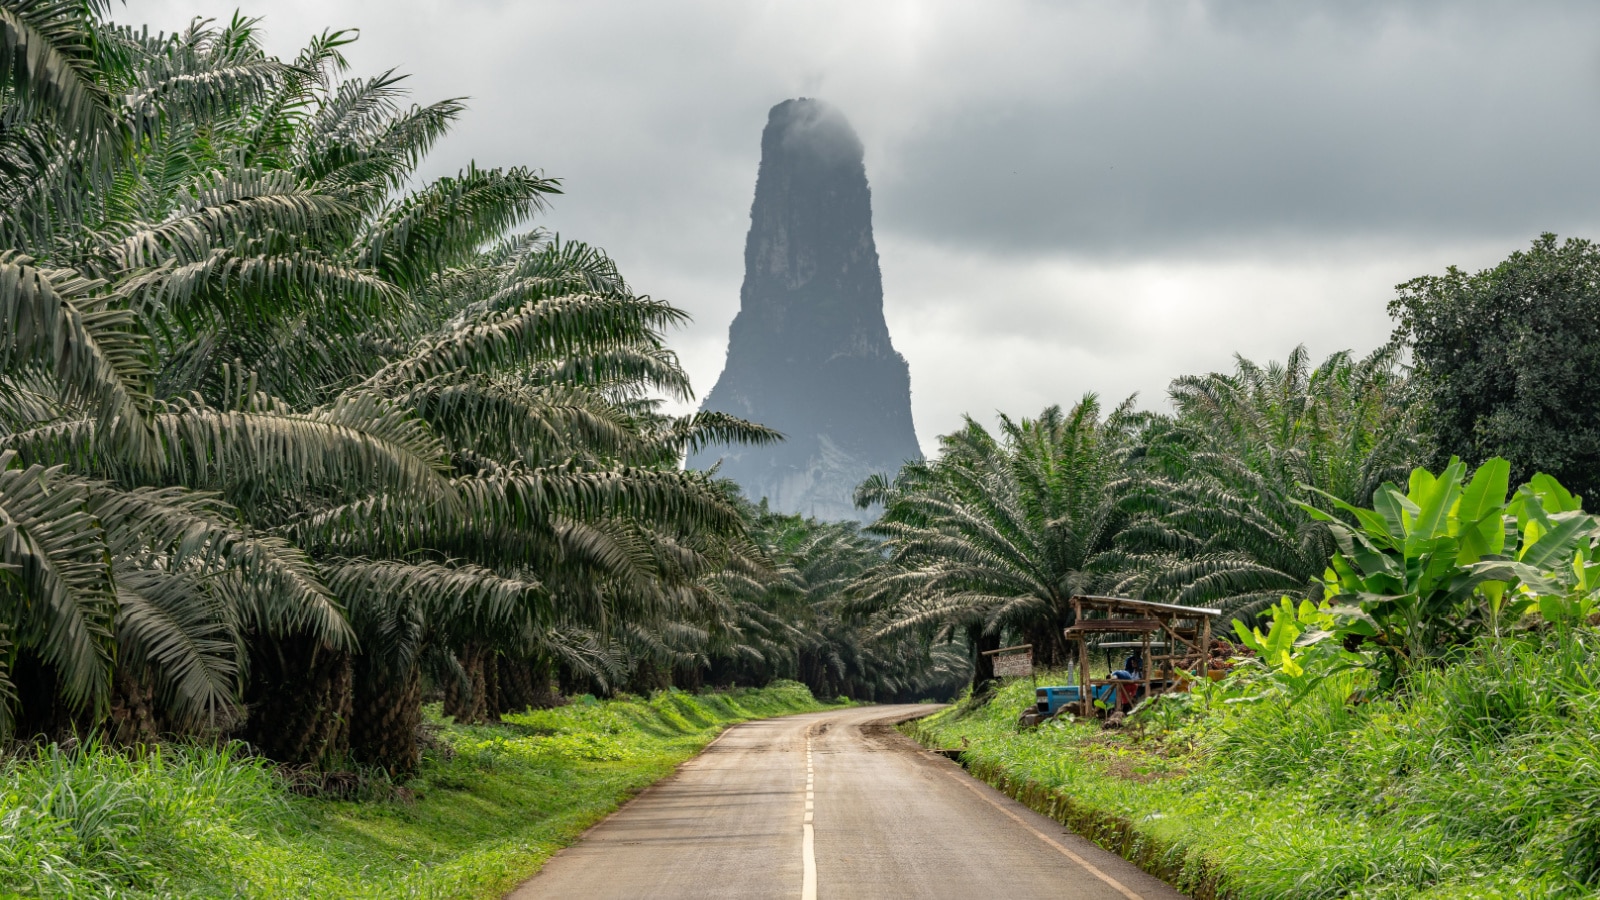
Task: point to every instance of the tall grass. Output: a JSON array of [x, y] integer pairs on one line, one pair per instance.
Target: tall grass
[[93, 822], [1480, 779]]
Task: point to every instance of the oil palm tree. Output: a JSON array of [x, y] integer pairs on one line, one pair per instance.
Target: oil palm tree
[[993, 537], [1215, 493], [787, 608], [277, 427]]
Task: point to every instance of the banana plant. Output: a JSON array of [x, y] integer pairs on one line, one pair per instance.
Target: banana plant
[[1292, 629], [1556, 568], [1427, 569], [1299, 648]]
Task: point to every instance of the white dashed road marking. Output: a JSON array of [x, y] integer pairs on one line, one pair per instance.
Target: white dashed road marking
[[808, 842]]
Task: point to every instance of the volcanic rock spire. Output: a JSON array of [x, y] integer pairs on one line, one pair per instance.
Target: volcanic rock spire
[[809, 353]]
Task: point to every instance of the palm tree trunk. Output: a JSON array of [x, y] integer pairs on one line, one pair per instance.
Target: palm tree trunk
[[516, 685], [466, 703], [525, 684], [647, 678], [133, 717], [983, 680], [1050, 649], [688, 677], [385, 716], [299, 700], [492, 700], [570, 683]]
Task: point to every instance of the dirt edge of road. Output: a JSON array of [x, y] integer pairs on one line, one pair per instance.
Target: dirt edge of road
[[1182, 867]]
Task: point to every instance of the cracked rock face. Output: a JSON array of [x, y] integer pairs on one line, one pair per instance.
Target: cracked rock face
[[809, 353]]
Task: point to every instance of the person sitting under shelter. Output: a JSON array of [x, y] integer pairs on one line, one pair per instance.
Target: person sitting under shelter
[[1132, 670]]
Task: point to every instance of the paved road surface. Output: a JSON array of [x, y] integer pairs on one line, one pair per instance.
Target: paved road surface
[[832, 805]]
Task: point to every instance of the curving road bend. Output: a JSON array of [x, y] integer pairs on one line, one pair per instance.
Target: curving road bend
[[832, 805]]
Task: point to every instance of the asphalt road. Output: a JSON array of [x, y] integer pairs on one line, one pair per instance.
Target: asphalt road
[[832, 805]]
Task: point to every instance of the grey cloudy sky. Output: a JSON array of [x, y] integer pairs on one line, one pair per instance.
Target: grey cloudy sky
[[1068, 196]]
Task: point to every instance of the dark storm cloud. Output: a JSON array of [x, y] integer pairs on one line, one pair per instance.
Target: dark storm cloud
[[1267, 122], [1069, 196], [1128, 127]]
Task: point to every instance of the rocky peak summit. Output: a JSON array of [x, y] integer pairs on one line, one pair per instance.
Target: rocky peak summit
[[809, 352]]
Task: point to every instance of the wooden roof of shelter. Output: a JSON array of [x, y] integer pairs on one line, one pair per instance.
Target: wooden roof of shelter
[[1129, 603], [1116, 625]]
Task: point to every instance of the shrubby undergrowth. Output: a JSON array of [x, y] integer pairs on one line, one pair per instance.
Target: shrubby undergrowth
[[91, 821], [488, 805], [1432, 729], [1478, 781]]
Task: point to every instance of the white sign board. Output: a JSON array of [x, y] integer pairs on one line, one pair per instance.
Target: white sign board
[[1013, 665]]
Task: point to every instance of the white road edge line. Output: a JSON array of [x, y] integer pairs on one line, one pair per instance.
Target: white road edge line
[[966, 782]]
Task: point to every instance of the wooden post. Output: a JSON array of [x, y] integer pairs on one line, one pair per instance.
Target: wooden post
[[1149, 680], [1085, 690]]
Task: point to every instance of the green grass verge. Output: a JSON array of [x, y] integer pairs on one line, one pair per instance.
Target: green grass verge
[[1482, 780], [488, 807]]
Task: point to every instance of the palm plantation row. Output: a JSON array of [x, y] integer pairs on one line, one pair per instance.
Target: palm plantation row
[[1202, 507], [288, 432]]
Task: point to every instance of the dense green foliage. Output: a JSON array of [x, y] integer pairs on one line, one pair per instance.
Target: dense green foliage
[[802, 620], [1506, 359], [1441, 703], [1218, 489], [1243, 492], [290, 436], [1477, 784], [487, 806], [1430, 568], [995, 535], [1219, 504]]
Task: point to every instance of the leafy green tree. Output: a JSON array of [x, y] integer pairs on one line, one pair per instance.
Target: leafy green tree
[[1506, 359]]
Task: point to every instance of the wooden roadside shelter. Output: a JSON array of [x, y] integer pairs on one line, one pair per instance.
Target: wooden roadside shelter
[[1168, 637]]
